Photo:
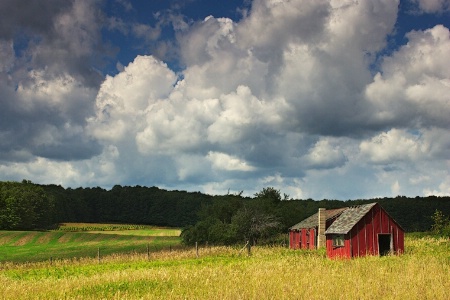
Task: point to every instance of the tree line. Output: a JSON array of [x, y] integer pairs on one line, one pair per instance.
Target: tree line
[[217, 219], [268, 214]]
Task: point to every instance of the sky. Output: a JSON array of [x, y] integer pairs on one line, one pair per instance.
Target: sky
[[338, 99]]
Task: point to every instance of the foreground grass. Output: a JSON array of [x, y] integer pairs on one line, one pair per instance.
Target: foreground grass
[[423, 272]]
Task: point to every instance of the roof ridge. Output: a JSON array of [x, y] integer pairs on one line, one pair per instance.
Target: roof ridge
[[313, 220], [349, 218]]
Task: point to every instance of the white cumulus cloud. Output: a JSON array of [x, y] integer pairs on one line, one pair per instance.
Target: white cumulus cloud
[[223, 161], [325, 155], [415, 81], [433, 6]]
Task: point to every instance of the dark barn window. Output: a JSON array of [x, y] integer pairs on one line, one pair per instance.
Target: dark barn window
[[338, 240]]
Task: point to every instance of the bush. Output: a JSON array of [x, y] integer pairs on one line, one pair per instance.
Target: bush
[[441, 224]]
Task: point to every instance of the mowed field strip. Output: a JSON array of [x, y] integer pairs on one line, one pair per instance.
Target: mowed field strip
[[75, 240]]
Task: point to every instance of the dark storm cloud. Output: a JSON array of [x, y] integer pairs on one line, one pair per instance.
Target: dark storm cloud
[[33, 127], [29, 16], [52, 51], [62, 36], [69, 148]]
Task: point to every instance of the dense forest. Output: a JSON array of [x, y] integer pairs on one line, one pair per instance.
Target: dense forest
[[25, 205]]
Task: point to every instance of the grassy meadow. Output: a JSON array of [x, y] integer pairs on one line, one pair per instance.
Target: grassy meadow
[[81, 240], [423, 272]]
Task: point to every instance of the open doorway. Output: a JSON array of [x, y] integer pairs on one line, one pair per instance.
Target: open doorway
[[384, 244]]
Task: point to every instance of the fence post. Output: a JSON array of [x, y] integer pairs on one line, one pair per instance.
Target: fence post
[[249, 247], [196, 249], [98, 254], [148, 251]]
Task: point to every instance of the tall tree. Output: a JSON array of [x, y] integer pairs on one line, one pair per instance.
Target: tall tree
[[24, 206], [251, 224]]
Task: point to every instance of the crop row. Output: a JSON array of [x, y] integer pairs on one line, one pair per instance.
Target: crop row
[[101, 228]]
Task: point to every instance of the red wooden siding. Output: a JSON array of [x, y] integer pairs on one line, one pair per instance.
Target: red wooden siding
[[312, 238], [338, 252], [294, 239], [363, 237], [303, 239]]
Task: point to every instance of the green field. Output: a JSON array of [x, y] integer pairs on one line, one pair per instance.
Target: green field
[[423, 272], [79, 240]]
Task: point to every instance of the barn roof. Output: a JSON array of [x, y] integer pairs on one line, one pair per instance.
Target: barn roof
[[349, 218], [313, 221]]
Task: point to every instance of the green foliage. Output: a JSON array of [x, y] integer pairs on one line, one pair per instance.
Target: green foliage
[[233, 219], [24, 206], [124, 204], [254, 225], [222, 208], [270, 194], [211, 231], [30, 206], [441, 224]]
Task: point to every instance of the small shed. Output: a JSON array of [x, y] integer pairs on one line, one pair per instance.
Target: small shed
[[304, 235], [352, 232]]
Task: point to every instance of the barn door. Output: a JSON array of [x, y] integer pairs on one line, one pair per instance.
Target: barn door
[[385, 244]]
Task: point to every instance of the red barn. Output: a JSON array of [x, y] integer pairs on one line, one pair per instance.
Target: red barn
[[351, 232], [304, 234]]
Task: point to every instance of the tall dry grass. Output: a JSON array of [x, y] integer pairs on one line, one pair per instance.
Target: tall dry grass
[[423, 272]]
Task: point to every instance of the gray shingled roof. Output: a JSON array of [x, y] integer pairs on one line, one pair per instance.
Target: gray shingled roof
[[313, 221], [348, 219]]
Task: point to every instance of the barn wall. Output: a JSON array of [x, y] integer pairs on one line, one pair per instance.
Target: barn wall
[[291, 239], [294, 239], [338, 252], [390, 226], [398, 238], [370, 234], [312, 238], [304, 239], [385, 220], [377, 228], [364, 235], [354, 241]]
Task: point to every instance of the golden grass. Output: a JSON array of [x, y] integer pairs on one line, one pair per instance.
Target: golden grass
[[423, 272]]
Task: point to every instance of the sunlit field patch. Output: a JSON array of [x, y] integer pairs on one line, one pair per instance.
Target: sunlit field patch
[[62, 243]]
